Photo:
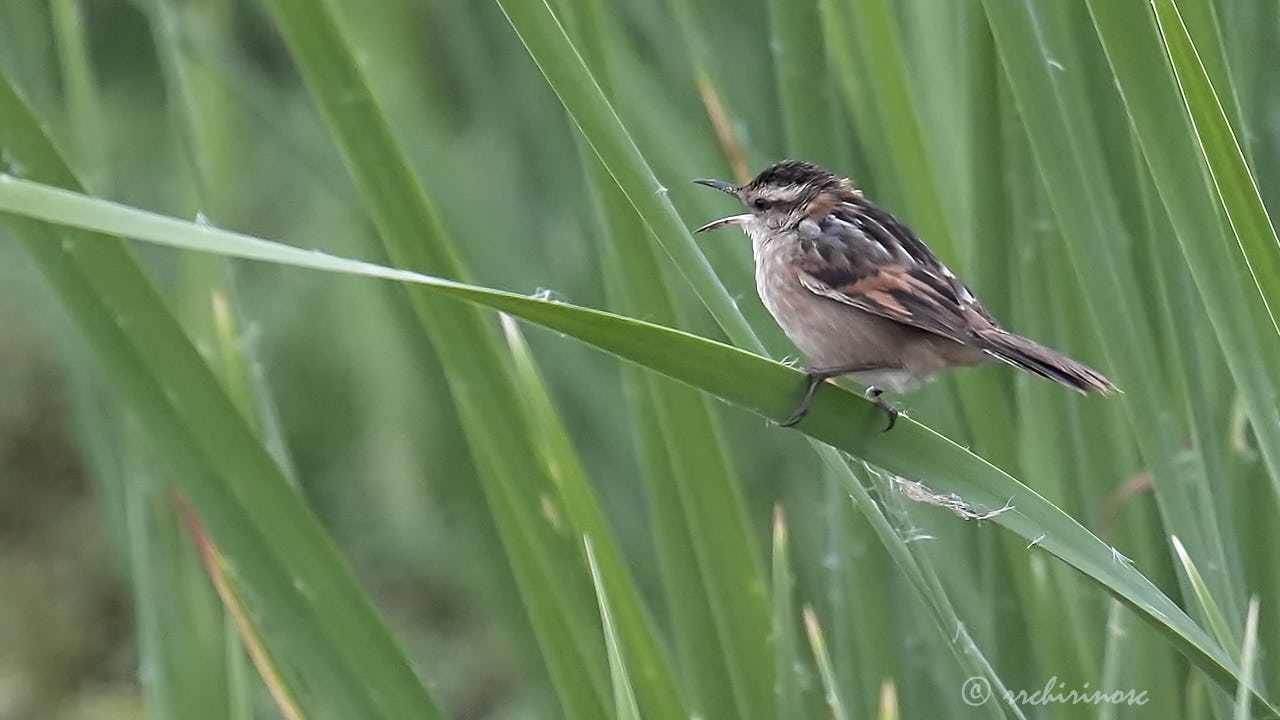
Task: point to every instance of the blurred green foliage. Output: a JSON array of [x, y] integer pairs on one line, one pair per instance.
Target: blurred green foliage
[[195, 109]]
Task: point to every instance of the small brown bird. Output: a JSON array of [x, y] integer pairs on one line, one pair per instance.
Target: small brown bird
[[862, 296]]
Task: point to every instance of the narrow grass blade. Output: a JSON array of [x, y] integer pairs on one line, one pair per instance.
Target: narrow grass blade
[[84, 106], [624, 698], [1217, 622], [1113, 653], [864, 638], [1132, 661], [888, 709], [203, 298], [1236, 188], [222, 583], [1248, 661], [1206, 32], [818, 644], [696, 643], [784, 623], [845, 61]]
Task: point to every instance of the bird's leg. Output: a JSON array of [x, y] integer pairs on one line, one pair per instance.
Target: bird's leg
[[806, 400], [817, 376], [876, 395]]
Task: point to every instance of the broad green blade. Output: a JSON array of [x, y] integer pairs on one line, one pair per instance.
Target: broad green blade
[[840, 418]]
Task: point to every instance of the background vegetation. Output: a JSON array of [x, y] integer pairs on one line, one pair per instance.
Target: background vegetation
[[237, 489]]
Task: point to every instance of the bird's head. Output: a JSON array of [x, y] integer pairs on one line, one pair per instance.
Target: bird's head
[[779, 197]]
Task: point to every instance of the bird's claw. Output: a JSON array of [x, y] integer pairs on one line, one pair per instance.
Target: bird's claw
[[876, 395], [795, 418]]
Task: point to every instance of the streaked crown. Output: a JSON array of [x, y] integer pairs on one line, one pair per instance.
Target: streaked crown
[[799, 173], [789, 185]]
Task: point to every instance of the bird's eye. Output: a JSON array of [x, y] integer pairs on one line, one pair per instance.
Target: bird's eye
[[759, 203]]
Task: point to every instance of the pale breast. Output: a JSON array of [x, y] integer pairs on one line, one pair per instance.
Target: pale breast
[[828, 333], [833, 334]]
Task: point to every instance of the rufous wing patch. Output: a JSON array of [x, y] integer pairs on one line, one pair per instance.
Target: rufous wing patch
[[885, 300]]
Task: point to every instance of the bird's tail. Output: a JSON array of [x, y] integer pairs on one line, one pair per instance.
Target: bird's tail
[[1047, 363]]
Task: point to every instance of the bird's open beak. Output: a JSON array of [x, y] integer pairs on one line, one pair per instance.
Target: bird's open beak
[[723, 187], [720, 185], [722, 222]]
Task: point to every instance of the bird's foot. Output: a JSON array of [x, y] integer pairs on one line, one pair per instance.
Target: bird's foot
[[876, 395], [817, 376]]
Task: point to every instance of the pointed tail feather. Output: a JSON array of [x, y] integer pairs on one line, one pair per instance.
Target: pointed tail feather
[[1035, 358]]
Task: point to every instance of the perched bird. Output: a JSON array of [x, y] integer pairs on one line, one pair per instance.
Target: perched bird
[[860, 295]]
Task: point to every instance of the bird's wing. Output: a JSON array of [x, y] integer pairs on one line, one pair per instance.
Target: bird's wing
[[857, 253]]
